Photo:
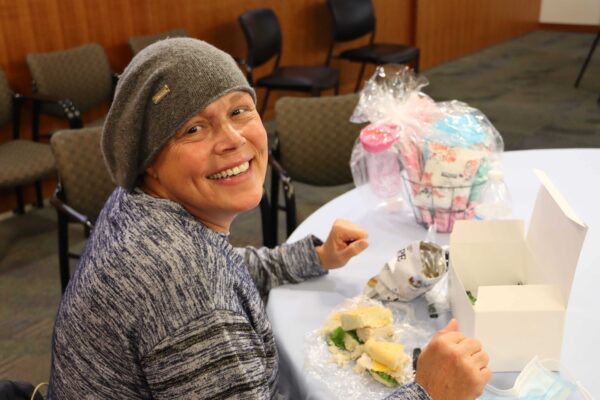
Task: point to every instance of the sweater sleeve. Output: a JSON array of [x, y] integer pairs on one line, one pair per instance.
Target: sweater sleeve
[[287, 263], [218, 356], [411, 391]]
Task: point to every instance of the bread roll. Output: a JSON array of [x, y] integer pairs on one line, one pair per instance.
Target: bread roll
[[387, 353], [361, 317]]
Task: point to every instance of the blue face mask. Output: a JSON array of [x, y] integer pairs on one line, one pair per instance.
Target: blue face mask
[[535, 382]]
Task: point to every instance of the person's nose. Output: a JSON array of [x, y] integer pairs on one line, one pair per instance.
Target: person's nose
[[231, 138]]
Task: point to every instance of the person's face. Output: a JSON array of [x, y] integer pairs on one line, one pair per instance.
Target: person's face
[[215, 164]]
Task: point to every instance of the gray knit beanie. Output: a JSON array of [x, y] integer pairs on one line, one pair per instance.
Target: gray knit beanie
[[165, 85]]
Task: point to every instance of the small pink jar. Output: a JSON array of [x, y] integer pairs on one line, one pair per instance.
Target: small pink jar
[[383, 162]]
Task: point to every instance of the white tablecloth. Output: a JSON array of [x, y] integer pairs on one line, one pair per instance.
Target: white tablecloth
[[295, 310]]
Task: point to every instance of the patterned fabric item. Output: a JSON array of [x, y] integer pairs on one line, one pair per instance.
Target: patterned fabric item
[[80, 74], [162, 307], [23, 162], [83, 175], [137, 43], [316, 138], [5, 100]]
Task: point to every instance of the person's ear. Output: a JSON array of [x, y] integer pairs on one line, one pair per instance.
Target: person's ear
[[151, 172]]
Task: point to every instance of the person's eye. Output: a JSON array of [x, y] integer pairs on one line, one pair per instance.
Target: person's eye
[[193, 129], [242, 109], [239, 111]]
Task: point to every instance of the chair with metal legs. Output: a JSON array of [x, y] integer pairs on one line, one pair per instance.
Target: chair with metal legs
[[263, 36], [83, 187], [22, 162], [353, 19], [315, 141]]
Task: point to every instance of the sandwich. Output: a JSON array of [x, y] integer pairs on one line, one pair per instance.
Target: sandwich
[[347, 332], [351, 328], [385, 361]]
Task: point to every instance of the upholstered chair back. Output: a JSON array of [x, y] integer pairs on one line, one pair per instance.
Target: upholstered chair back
[[82, 75], [85, 183], [316, 138]]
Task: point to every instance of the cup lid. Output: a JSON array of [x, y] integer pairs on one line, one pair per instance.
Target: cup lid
[[379, 137]]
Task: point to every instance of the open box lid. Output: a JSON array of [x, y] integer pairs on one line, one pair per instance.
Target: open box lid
[[496, 252], [554, 238], [488, 253]]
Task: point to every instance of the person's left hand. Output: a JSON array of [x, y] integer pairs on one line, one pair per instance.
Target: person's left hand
[[345, 240]]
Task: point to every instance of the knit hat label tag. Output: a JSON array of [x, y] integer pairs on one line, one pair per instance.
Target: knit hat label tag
[[162, 92]]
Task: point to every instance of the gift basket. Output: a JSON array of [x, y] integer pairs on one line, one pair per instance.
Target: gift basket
[[436, 156]]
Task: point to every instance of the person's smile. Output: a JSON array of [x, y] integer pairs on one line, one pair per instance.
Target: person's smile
[[234, 173]]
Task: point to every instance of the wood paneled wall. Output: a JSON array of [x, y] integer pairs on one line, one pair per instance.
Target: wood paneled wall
[[448, 29], [443, 29], [50, 25]]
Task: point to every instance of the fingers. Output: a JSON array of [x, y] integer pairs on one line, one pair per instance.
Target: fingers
[[481, 359], [344, 242], [453, 337], [348, 231], [452, 326], [355, 248], [470, 346], [453, 366], [486, 375]]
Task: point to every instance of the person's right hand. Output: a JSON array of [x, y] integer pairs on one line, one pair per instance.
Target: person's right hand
[[453, 366]]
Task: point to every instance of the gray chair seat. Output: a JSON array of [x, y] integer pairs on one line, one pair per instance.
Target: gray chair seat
[[23, 162]]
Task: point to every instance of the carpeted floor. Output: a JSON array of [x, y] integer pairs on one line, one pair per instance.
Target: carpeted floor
[[524, 86]]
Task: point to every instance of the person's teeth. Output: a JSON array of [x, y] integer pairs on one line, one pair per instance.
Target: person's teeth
[[231, 171]]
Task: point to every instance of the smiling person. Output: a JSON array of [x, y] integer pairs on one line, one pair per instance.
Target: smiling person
[[161, 305]]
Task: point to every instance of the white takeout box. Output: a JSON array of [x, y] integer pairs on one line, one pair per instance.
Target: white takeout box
[[522, 284]]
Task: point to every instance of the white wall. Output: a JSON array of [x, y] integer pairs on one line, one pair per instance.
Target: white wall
[[572, 12]]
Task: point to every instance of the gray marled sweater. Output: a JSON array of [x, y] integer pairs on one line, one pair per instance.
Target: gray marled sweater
[[163, 307]]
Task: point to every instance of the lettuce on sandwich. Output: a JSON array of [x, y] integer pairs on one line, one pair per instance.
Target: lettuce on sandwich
[[348, 331]]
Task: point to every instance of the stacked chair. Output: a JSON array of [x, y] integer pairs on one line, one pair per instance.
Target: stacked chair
[[22, 162]]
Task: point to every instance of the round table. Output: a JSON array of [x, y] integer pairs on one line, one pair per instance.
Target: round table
[[297, 309]]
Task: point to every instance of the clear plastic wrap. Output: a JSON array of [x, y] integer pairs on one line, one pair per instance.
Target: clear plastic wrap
[[392, 101], [446, 149], [393, 95], [376, 166], [344, 382], [447, 167]]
